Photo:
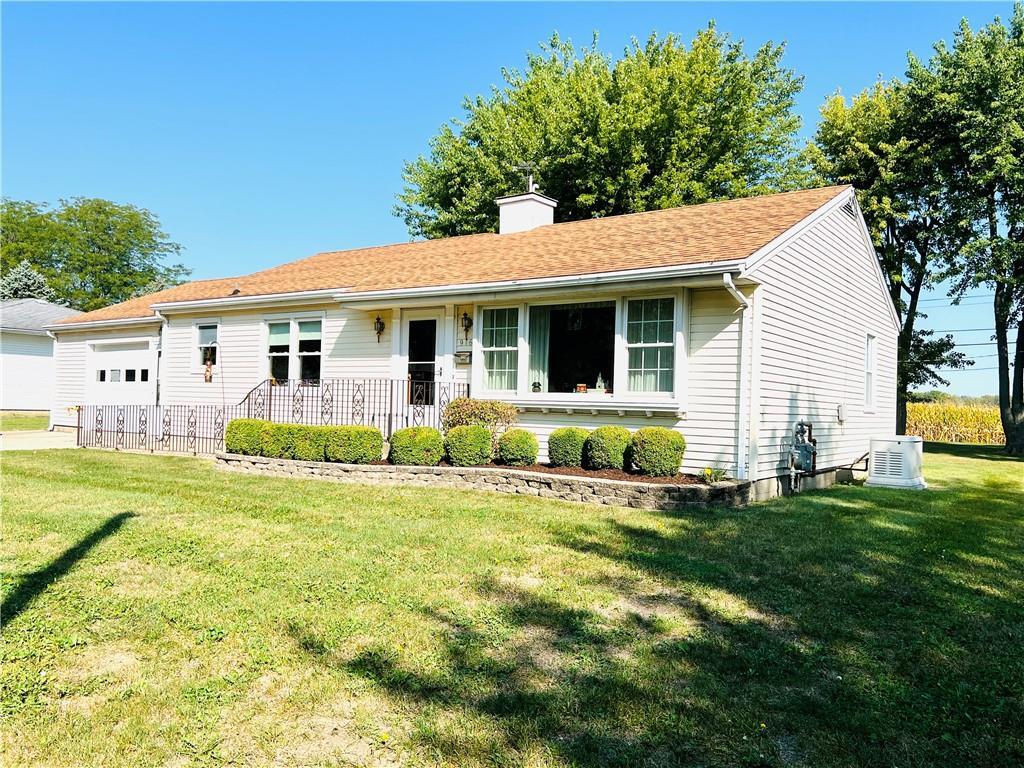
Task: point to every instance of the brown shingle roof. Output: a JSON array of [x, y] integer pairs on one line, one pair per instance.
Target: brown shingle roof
[[695, 234]]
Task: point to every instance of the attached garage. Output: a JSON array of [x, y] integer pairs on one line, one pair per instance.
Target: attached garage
[[121, 372]]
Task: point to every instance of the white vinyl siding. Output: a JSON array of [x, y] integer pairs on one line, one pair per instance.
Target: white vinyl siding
[[26, 362], [349, 350], [819, 296]]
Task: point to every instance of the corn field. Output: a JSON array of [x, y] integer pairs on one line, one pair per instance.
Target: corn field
[[955, 423]]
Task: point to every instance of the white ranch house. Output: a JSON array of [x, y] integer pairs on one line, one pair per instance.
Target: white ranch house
[[727, 321]]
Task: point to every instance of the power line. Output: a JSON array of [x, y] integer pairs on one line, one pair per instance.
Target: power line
[[965, 296]]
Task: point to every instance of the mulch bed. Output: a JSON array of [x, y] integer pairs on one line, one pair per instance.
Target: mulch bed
[[605, 474]]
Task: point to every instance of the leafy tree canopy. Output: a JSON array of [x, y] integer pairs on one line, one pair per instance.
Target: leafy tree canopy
[[665, 125], [24, 282], [970, 98], [91, 252], [876, 142]]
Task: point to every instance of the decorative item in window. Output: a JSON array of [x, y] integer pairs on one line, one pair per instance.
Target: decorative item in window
[[535, 386], [208, 372], [581, 388], [378, 327], [467, 324], [207, 344], [600, 386]]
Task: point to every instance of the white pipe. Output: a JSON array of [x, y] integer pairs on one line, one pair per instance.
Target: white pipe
[[730, 286], [743, 390]]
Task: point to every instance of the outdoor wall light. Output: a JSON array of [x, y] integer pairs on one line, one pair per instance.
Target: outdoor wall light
[[378, 327], [467, 323]]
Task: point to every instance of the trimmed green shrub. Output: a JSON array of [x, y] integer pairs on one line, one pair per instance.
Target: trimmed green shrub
[[468, 445], [419, 446], [657, 451], [605, 448], [274, 439], [354, 445], [243, 436], [565, 446], [517, 448], [495, 415], [308, 443]]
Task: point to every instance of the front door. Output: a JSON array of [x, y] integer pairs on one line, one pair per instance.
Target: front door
[[422, 339]]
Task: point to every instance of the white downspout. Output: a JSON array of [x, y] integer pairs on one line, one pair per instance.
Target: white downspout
[[53, 359], [742, 417], [164, 322]]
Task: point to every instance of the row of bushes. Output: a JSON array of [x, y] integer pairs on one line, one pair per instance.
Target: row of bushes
[[464, 446], [349, 445], [951, 422], [655, 451]]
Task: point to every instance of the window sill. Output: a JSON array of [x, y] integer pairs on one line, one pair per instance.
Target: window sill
[[598, 404]]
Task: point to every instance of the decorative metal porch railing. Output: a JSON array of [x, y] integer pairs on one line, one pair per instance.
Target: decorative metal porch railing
[[387, 404]]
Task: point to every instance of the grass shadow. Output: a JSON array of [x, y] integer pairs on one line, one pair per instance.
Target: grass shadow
[[31, 585]]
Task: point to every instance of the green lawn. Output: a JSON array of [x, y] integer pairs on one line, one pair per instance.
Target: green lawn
[[160, 612], [14, 422]]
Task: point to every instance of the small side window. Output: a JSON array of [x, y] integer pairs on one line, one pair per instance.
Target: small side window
[[129, 374], [115, 375], [144, 374], [101, 375]]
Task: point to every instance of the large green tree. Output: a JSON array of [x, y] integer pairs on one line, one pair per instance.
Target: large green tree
[[874, 141], [970, 98], [92, 252], [664, 125]]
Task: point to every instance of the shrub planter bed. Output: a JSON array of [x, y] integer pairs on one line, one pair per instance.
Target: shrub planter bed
[[549, 483]]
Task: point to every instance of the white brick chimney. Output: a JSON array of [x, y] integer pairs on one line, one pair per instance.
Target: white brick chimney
[[519, 213]]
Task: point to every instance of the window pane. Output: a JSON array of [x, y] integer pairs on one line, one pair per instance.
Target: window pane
[[279, 336], [309, 330], [144, 374], [279, 367], [101, 375], [501, 369], [208, 355], [129, 374], [309, 367], [309, 345], [501, 327], [115, 374], [207, 334]]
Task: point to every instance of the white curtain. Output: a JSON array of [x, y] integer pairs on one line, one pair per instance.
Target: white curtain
[[540, 337]]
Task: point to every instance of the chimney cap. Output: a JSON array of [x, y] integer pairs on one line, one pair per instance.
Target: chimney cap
[[536, 196]]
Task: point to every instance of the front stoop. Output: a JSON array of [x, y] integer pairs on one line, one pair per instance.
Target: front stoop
[[589, 490]]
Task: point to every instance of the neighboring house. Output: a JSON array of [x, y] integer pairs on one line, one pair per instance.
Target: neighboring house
[[727, 321], [26, 353]]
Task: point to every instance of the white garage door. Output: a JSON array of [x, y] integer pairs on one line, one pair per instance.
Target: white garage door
[[121, 373]]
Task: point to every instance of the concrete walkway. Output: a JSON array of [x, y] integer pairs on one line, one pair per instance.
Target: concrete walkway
[[35, 440]]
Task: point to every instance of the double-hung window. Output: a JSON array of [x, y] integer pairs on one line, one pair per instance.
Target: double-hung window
[[500, 343], [310, 336], [650, 344], [206, 334], [294, 349], [279, 349]]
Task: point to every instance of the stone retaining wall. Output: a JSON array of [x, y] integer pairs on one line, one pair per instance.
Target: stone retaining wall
[[592, 490]]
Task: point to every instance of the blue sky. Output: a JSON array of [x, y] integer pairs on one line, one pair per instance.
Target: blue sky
[[261, 133]]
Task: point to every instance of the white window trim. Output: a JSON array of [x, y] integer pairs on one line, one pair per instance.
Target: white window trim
[[196, 366], [292, 318], [621, 396], [479, 371], [674, 344], [870, 372]]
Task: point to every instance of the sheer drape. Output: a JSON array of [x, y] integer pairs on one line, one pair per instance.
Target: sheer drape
[[540, 337]]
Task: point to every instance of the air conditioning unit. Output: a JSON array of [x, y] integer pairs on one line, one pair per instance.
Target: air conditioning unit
[[896, 462]]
